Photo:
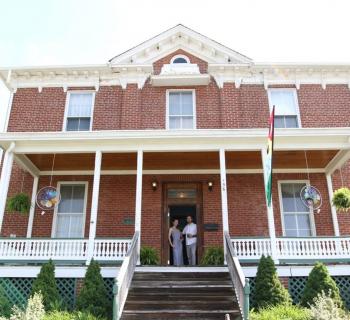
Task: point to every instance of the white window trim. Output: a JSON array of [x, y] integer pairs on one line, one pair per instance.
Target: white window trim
[[295, 94], [54, 221], [67, 106], [180, 56], [194, 107], [311, 213]]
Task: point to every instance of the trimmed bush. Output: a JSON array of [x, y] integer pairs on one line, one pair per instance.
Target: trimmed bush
[[269, 291], [93, 295], [280, 312], [149, 256], [5, 305], [319, 281], [64, 315], [325, 308], [34, 310], [213, 256], [45, 284]]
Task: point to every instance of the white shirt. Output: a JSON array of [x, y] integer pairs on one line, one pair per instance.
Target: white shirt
[[190, 229]]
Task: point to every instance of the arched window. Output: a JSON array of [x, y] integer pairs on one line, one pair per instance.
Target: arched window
[[180, 59]]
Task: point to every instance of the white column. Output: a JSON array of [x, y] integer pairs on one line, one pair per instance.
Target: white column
[[5, 180], [224, 206], [94, 204], [32, 207], [138, 204], [270, 214], [333, 209]]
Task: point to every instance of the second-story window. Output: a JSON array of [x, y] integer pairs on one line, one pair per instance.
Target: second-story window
[[181, 109], [79, 111], [286, 107]]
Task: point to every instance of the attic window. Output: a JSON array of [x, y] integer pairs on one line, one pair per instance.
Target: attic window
[[180, 59]]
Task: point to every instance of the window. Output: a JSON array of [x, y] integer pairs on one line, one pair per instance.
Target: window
[[286, 107], [180, 108], [70, 215], [79, 111], [296, 216], [180, 59]]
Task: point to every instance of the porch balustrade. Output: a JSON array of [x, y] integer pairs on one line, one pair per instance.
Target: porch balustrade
[[312, 248], [39, 249]]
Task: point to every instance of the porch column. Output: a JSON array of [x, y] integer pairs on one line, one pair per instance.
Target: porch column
[[138, 204], [32, 207], [333, 209], [94, 204], [5, 180], [270, 214], [224, 206]]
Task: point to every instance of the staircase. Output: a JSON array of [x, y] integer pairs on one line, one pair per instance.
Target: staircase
[[181, 295]]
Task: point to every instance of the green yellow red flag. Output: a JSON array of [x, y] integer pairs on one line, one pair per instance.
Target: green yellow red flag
[[268, 158]]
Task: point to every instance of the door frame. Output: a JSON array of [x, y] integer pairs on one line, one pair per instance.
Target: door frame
[[166, 202]]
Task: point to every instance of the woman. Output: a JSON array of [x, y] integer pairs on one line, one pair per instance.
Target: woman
[[175, 240]]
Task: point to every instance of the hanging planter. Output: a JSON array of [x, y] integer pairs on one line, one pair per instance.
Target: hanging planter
[[20, 202], [341, 199]]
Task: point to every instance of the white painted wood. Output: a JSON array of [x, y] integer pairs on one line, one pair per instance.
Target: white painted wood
[[5, 179], [223, 185], [333, 209], [270, 214], [94, 202], [32, 208], [338, 161], [138, 202]]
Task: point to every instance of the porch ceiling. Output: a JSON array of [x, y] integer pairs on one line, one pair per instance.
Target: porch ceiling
[[182, 160]]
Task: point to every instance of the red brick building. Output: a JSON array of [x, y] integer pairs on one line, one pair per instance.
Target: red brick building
[[175, 126]]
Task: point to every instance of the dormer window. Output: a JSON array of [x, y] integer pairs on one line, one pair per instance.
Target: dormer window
[[181, 59]]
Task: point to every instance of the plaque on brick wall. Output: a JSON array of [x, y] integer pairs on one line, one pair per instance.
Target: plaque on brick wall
[[128, 221], [211, 227]]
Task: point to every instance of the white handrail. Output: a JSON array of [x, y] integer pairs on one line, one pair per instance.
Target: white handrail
[[240, 284], [123, 281]]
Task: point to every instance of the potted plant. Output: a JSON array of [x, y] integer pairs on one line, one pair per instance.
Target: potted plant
[[149, 256], [20, 202], [341, 199], [213, 256]]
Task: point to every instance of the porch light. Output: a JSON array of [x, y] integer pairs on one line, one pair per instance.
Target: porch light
[[154, 185], [210, 185]]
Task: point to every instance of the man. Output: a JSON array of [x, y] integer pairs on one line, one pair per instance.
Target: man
[[191, 241]]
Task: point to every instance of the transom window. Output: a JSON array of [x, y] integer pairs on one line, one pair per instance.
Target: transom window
[[180, 59], [286, 107], [296, 216], [181, 110], [79, 111], [70, 216]]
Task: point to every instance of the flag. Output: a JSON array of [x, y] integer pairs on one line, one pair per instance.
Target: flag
[[268, 158]]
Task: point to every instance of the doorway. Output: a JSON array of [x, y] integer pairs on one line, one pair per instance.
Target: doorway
[[179, 201]]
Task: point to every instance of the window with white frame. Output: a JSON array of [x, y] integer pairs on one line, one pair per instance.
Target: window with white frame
[[180, 59], [70, 213], [181, 109], [296, 216], [286, 107], [79, 111]]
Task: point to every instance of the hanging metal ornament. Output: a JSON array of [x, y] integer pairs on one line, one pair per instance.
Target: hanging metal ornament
[[310, 195], [48, 197]]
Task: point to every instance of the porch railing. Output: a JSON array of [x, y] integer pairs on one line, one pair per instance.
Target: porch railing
[[39, 249], [309, 248], [240, 283], [123, 281]]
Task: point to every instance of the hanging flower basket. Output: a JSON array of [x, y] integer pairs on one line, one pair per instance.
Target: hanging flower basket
[[341, 199], [20, 202]]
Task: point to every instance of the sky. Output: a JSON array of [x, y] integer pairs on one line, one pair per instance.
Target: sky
[[56, 32]]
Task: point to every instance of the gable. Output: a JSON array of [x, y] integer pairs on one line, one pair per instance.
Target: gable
[[180, 38]]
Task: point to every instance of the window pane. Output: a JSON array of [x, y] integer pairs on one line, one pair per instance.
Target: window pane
[[180, 60], [299, 205], [72, 199], [80, 104], [288, 197], [76, 226], [290, 221], [291, 232], [187, 103], [62, 226], [304, 233], [291, 121], [73, 124], [284, 102], [66, 195], [279, 122], [187, 123], [175, 103], [303, 221], [174, 122], [84, 124]]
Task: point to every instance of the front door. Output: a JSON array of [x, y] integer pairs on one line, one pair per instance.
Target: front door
[[180, 201]]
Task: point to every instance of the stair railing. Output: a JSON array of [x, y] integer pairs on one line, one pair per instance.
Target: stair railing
[[122, 282], [240, 283]]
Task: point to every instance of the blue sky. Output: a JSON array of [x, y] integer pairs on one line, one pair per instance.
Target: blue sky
[[41, 32]]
